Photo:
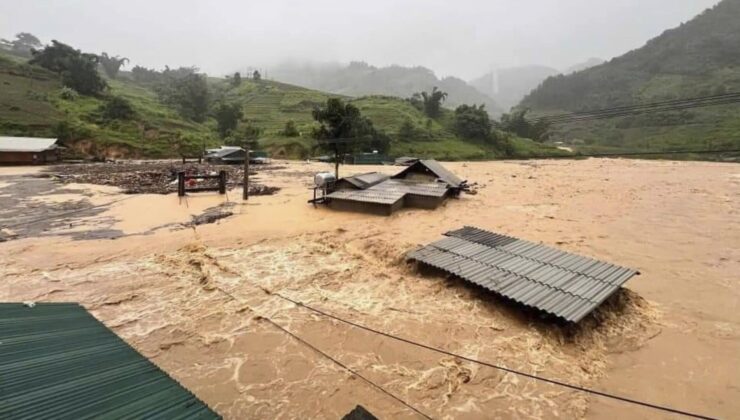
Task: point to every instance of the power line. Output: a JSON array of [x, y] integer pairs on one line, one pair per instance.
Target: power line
[[491, 365], [670, 105], [619, 154], [347, 368]]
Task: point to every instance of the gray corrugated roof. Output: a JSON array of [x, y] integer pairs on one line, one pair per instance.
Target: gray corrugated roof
[[26, 144], [563, 284], [366, 180], [58, 361], [390, 191], [434, 167]]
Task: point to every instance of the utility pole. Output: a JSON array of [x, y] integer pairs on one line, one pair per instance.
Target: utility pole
[[336, 161], [245, 193]]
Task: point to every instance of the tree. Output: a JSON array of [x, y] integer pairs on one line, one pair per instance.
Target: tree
[[187, 92], [145, 75], [429, 102], [111, 65], [236, 80], [472, 122], [227, 117], [77, 69], [23, 45], [517, 123], [256, 76], [117, 108], [290, 129], [407, 131], [344, 121]]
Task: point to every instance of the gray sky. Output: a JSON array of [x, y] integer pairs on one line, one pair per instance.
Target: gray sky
[[461, 37]]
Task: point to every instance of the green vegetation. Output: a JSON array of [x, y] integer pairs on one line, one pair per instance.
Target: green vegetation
[[698, 58], [339, 120], [149, 113], [78, 70]]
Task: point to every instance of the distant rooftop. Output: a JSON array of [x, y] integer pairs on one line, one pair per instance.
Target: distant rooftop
[[26, 144]]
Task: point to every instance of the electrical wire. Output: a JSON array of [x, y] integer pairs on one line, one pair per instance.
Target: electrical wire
[[345, 367], [672, 105], [494, 366]]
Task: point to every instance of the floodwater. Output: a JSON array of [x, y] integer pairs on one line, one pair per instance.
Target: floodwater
[[197, 300]]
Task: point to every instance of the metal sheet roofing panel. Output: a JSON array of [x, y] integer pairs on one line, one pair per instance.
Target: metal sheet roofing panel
[[561, 283], [434, 167], [58, 361], [26, 144]]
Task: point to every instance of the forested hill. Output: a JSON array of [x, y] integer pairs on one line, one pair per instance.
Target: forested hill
[[699, 58]]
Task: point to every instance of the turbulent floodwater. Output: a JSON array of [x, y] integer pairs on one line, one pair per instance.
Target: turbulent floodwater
[[196, 300]]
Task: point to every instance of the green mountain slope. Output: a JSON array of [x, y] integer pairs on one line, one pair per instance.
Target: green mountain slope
[[33, 104], [698, 58]]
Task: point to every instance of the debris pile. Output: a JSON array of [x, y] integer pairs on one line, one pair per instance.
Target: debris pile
[[154, 177]]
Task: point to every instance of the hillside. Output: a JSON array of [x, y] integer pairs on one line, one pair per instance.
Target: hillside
[[33, 104], [698, 58], [361, 79]]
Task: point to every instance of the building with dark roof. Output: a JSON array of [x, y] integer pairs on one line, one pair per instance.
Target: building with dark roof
[[28, 150], [58, 361], [425, 186]]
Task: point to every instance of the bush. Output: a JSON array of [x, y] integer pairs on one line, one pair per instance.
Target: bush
[[290, 129], [68, 94], [117, 108]]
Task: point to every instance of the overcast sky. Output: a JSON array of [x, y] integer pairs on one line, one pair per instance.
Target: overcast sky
[[461, 37]]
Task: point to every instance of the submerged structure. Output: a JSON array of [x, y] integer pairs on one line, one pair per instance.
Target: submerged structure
[[566, 285], [425, 184], [58, 361]]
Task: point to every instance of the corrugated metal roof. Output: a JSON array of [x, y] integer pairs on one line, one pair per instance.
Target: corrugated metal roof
[[26, 144], [434, 167], [368, 196], [560, 283], [390, 191], [58, 361], [366, 180]]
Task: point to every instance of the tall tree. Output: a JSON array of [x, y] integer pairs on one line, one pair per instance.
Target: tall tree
[[472, 122], [77, 69], [187, 92], [339, 120], [112, 65], [227, 117], [516, 122], [23, 45], [429, 102], [236, 80], [256, 75]]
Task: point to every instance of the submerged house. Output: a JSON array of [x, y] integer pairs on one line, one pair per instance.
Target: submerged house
[[28, 150], [425, 184]]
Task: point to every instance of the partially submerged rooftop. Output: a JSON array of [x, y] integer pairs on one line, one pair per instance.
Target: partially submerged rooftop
[[425, 184], [563, 284]]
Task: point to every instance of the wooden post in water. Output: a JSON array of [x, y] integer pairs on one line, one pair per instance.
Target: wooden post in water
[[245, 193]]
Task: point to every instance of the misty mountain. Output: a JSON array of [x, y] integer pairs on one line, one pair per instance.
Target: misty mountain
[[508, 86], [698, 58], [360, 78]]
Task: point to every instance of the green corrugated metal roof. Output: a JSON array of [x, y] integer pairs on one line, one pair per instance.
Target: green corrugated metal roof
[[58, 361]]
